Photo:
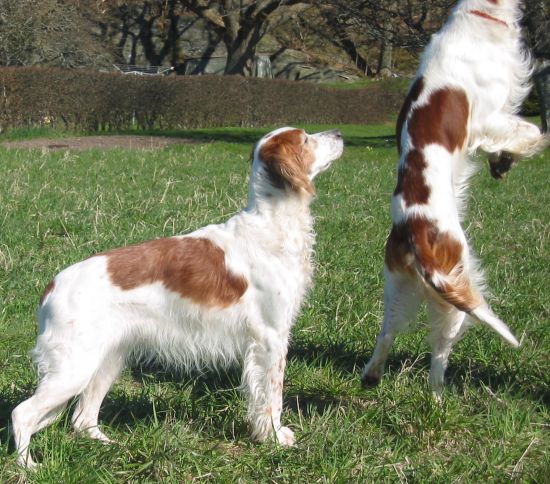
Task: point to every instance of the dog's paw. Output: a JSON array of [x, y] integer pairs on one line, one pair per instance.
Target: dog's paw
[[27, 463], [369, 381], [437, 395], [96, 434], [285, 437], [93, 432], [501, 163], [371, 376]]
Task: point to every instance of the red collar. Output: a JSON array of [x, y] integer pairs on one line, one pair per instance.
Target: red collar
[[485, 15]]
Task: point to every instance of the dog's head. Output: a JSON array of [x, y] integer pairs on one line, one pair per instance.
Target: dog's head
[[288, 159]]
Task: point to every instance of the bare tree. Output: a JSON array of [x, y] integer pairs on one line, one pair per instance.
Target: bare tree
[[240, 24], [16, 29], [387, 40], [47, 32], [153, 26], [341, 29], [537, 26], [389, 24]]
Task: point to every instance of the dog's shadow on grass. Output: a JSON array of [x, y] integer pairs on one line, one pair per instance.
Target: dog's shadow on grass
[[211, 396], [8, 402], [250, 137], [371, 141], [474, 374], [193, 397]]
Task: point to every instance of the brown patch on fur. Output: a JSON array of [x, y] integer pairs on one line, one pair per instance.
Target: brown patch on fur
[[49, 288], [413, 95], [417, 244], [434, 250], [287, 159], [411, 181], [192, 267], [443, 120], [460, 293], [399, 256]]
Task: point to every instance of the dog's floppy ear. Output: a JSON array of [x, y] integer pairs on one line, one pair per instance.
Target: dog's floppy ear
[[286, 161]]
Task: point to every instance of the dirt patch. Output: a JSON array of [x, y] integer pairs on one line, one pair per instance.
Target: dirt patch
[[100, 142]]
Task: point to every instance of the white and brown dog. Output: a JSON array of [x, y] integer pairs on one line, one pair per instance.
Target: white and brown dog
[[472, 79], [222, 294]]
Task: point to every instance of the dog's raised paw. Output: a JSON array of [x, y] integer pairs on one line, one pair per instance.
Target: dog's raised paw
[[369, 381], [501, 163]]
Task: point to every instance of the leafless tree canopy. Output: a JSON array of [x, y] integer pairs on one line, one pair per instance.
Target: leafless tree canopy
[[537, 26], [388, 24], [241, 24], [367, 33], [47, 32]]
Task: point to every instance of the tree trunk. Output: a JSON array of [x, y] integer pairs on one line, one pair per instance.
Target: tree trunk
[[238, 59], [350, 49], [385, 59], [241, 38], [241, 50], [343, 40], [542, 80]]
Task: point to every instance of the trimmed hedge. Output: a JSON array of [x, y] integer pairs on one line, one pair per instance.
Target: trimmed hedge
[[95, 101]]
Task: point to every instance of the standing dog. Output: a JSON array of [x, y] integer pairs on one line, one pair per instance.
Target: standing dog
[[472, 79], [220, 294]]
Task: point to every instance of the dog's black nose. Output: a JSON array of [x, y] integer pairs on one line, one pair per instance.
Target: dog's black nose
[[336, 133]]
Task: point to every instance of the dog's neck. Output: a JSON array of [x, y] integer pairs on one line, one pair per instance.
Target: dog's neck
[[272, 202], [283, 210], [284, 220]]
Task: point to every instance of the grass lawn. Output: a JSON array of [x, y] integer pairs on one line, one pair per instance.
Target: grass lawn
[[493, 423]]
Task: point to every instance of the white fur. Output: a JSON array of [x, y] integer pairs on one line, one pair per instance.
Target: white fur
[[484, 58], [89, 328]]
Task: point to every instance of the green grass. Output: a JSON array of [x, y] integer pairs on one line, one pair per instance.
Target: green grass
[[16, 134], [58, 208]]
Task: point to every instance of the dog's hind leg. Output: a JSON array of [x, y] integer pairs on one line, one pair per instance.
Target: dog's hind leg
[[64, 372], [40, 410], [447, 324], [85, 416], [402, 297]]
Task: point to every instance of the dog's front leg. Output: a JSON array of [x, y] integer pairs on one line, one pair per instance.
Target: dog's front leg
[[263, 377], [507, 138]]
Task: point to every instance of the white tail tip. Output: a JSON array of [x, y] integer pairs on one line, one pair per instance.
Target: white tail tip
[[485, 315]]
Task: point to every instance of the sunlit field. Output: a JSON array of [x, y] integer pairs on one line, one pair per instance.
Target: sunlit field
[[59, 207]]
